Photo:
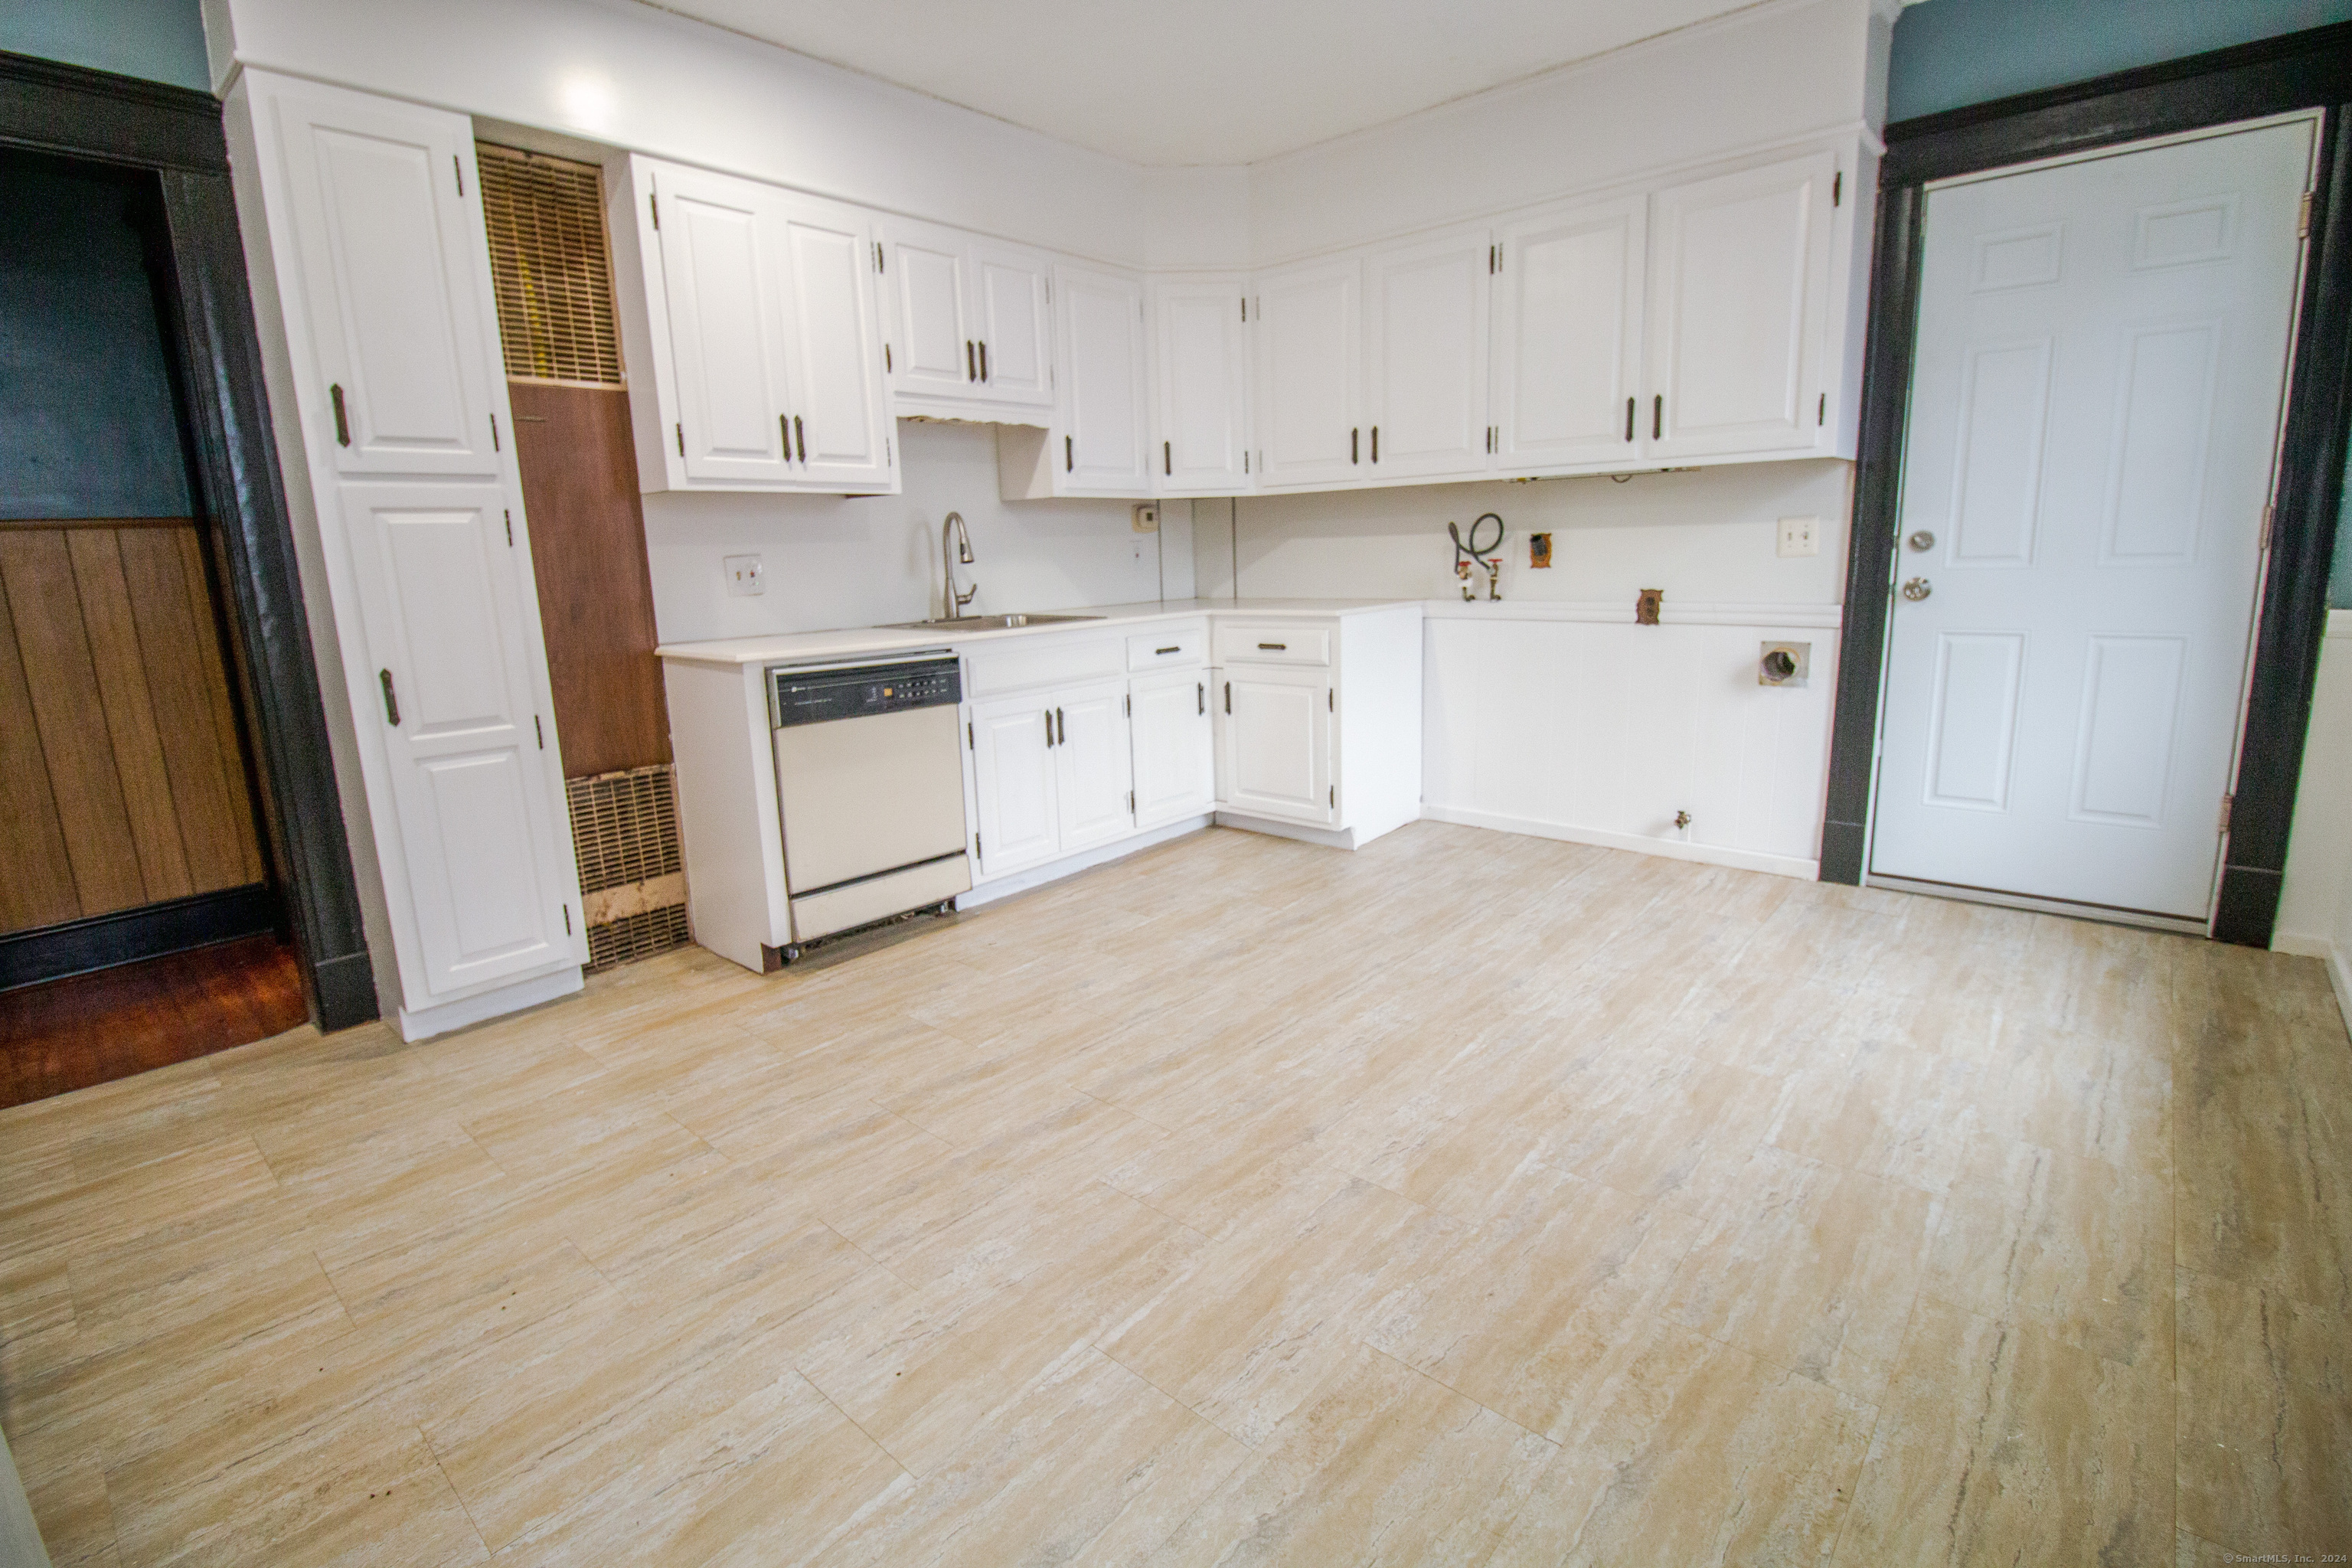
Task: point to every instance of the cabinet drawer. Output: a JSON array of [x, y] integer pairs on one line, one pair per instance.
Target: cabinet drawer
[[1242, 642], [1017, 663], [1168, 647]]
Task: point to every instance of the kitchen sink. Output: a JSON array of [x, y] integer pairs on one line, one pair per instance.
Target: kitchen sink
[[984, 623]]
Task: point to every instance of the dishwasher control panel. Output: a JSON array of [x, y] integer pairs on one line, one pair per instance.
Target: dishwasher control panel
[[821, 696]]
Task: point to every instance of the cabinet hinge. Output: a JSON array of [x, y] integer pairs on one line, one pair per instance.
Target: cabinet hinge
[[1821, 412], [1127, 703], [567, 919], [655, 203], [2302, 218], [975, 847], [1245, 456], [1837, 188], [2228, 802], [1335, 797], [458, 169], [1130, 802], [2270, 516], [510, 528], [538, 731], [494, 435]]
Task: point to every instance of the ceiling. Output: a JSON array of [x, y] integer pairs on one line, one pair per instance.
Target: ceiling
[[1175, 82]]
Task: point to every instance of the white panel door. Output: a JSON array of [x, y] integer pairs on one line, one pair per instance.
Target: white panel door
[[840, 421], [1738, 310], [1014, 322], [1097, 771], [1174, 746], [724, 283], [2094, 405], [1309, 375], [1425, 357], [1567, 337], [450, 671], [1276, 731], [1104, 426], [1016, 782], [394, 275], [926, 279], [1203, 370]]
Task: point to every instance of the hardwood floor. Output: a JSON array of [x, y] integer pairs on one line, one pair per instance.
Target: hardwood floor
[[94, 1028], [1468, 1199]]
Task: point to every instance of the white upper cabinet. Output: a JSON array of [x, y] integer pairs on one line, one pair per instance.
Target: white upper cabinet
[[1014, 323], [766, 363], [833, 362], [1096, 446], [969, 324], [926, 283], [390, 250], [1201, 386], [1567, 337], [1738, 301], [1309, 377], [1425, 357]]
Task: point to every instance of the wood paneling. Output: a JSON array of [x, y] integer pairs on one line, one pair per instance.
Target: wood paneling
[[120, 772], [595, 594]]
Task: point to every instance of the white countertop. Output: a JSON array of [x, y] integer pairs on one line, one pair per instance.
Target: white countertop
[[796, 647]]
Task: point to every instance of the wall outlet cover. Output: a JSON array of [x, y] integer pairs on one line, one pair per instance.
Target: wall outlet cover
[[1800, 536], [1147, 517], [746, 577]]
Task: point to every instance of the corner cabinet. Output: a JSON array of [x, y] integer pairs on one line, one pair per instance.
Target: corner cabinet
[[1200, 376], [370, 271], [968, 325], [1096, 443], [755, 314], [1310, 404]]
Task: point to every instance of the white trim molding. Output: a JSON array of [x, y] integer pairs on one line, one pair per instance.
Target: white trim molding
[[1671, 848]]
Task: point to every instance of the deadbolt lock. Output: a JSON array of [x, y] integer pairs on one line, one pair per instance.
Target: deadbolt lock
[[1917, 589], [1923, 540]]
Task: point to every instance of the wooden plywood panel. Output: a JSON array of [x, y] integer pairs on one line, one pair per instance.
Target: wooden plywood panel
[[37, 575], [596, 595], [210, 630], [183, 661], [39, 889], [130, 712]]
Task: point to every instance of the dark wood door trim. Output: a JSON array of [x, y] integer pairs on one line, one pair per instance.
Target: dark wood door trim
[[208, 325], [2303, 71]]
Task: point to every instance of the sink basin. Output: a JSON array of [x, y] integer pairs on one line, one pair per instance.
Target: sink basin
[[984, 623]]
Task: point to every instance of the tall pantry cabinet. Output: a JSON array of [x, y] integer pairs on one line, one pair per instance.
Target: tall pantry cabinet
[[364, 228]]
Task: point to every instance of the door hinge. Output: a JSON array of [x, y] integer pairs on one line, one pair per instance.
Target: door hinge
[[1837, 188], [510, 528], [2229, 803], [539, 731], [2270, 515], [458, 169], [655, 203], [567, 919], [2302, 218]]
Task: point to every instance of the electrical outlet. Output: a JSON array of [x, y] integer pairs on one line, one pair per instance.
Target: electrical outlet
[[1147, 517], [1800, 536], [745, 578]]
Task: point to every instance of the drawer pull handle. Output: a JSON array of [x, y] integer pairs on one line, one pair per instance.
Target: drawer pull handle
[[1276, 646], [1049, 727], [1178, 649]]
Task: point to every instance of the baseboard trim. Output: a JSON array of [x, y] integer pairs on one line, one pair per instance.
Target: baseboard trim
[[424, 1023], [1014, 882], [1672, 849], [127, 936]]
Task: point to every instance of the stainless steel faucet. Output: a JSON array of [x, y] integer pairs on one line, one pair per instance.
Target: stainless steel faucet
[[952, 602]]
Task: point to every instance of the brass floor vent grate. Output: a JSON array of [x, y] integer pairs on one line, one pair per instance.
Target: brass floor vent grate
[[550, 266], [632, 878]]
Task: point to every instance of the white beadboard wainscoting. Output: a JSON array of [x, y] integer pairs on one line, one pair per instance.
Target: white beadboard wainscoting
[[1568, 720]]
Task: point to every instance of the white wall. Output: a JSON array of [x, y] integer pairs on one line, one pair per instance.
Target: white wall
[[833, 561], [1776, 71], [2315, 904]]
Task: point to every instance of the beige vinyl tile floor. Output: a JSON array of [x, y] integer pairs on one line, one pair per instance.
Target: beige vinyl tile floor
[[1468, 1199]]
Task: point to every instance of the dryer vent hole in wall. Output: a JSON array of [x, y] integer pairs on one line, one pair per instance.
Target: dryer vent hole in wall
[[632, 874]]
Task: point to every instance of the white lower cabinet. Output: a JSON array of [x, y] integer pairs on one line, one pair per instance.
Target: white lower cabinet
[[1093, 771], [1175, 775], [1050, 775], [1274, 754]]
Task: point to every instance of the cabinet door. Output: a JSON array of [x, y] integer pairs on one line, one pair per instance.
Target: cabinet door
[[1013, 781], [1738, 295], [724, 283], [394, 278], [1425, 357], [1277, 734], [1014, 324], [1202, 409], [1310, 344], [840, 425], [1093, 760], [1102, 414], [1567, 338], [445, 675], [925, 277], [1172, 735]]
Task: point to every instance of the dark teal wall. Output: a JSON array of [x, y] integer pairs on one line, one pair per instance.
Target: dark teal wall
[[161, 40], [87, 427]]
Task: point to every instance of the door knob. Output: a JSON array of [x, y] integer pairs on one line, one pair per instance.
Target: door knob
[[1917, 589], [1923, 540]]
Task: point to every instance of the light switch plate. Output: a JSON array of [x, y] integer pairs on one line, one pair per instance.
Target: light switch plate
[[1800, 536], [745, 578]]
